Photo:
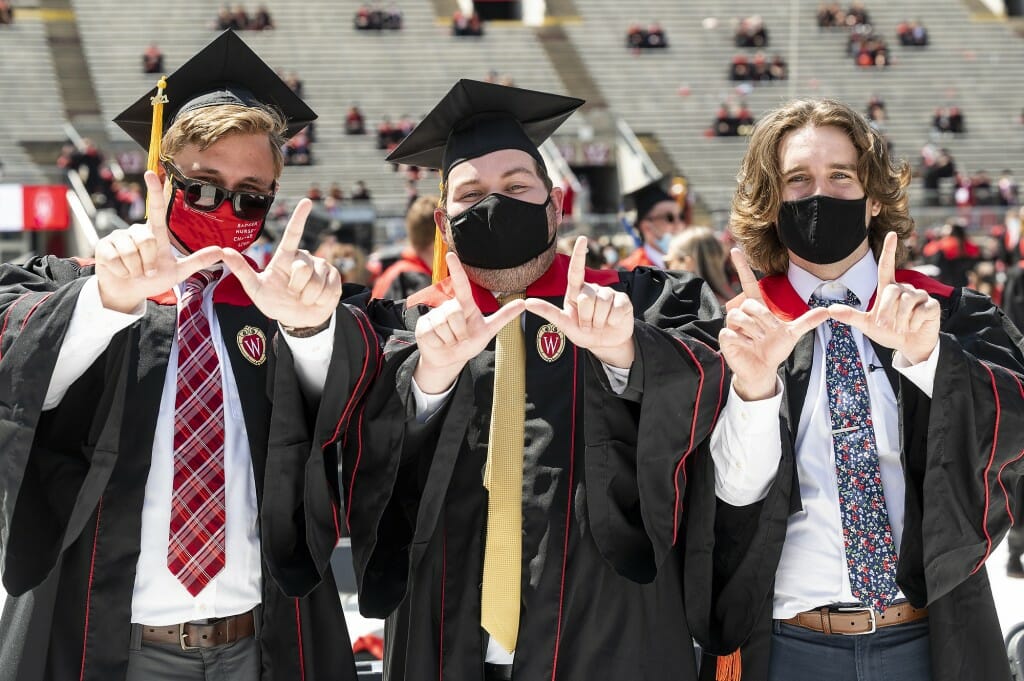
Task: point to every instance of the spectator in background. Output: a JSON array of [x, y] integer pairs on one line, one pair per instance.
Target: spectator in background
[[226, 20], [240, 17], [857, 15], [953, 254], [355, 122], [298, 150], [912, 34], [262, 20], [360, 191], [656, 37], [698, 250], [393, 18], [750, 32], [463, 25], [386, 134], [6, 13], [635, 37], [1009, 191], [936, 163], [412, 271], [831, 15], [152, 59]]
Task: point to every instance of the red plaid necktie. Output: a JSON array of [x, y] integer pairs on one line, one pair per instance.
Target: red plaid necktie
[[195, 553]]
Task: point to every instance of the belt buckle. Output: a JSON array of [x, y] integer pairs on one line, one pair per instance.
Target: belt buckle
[[182, 635], [870, 611]]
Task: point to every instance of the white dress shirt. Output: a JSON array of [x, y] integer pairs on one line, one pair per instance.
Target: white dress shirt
[[429, 404], [746, 448], [158, 597]]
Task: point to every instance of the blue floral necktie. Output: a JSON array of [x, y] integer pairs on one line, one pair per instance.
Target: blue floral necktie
[[867, 534]]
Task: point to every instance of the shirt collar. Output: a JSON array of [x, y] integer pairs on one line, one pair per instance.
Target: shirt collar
[[861, 278]]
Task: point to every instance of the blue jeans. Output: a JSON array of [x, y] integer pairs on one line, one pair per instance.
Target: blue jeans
[[897, 653]]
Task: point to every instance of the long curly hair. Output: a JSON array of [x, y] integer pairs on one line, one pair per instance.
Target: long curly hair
[[758, 197]]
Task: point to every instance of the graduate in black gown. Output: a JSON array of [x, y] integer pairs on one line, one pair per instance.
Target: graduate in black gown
[[93, 440], [620, 386], [875, 414]]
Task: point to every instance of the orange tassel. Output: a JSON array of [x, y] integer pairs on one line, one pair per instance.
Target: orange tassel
[[440, 265], [729, 667]]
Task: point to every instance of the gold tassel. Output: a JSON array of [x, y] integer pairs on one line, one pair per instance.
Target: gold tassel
[[156, 132], [158, 125], [439, 270], [440, 266], [729, 667]]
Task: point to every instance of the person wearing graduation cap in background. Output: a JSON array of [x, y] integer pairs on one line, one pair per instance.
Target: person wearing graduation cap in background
[[658, 219], [143, 525], [519, 486]]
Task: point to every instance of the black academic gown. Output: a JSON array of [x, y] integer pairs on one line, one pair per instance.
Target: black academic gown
[[605, 489], [72, 481], [962, 460]]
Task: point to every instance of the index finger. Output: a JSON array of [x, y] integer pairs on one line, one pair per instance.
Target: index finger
[[156, 208], [748, 282], [887, 261], [292, 236], [460, 283], [577, 269]]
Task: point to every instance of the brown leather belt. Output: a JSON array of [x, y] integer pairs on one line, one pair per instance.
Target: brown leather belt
[[855, 620], [190, 635]]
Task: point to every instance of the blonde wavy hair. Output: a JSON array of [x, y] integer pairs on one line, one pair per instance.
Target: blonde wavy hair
[[209, 124], [758, 197]]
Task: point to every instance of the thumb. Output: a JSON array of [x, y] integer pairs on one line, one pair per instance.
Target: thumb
[[546, 310], [847, 315], [503, 316], [241, 268], [199, 260], [809, 320]]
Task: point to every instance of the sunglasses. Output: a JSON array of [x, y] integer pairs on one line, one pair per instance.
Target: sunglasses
[[207, 197], [667, 217]]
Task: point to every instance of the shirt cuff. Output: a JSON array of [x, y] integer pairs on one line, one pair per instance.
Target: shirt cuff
[[746, 447], [618, 378], [921, 374], [312, 357], [428, 405]]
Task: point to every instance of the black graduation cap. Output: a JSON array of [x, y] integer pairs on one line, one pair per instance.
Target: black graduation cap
[[226, 71], [476, 118], [647, 197]]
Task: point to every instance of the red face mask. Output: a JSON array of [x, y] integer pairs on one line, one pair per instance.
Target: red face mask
[[195, 229]]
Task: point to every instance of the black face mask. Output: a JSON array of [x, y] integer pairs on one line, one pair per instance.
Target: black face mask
[[821, 229], [499, 232]]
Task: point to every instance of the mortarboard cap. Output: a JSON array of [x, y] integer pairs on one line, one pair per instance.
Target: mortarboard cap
[[647, 197], [476, 118], [226, 71]]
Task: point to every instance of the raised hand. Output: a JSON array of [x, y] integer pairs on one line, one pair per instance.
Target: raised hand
[[299, 290], [456, 331], [597, 318], [902, 317], [136, 263], [754, 341]]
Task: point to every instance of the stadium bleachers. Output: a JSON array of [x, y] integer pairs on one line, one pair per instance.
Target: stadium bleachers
[[387, 73], [971, 63], [30, 98]]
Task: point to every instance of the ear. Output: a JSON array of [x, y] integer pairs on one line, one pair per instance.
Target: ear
[[557, 197], [441, 222]]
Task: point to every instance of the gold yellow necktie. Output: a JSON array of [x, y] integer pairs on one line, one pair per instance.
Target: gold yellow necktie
[[503, 478]]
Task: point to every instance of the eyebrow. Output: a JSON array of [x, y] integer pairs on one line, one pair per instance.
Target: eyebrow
[[834, 166], [476, 180]]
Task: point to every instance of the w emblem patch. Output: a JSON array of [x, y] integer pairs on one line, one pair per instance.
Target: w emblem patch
[[550, 342], [253, 344]]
